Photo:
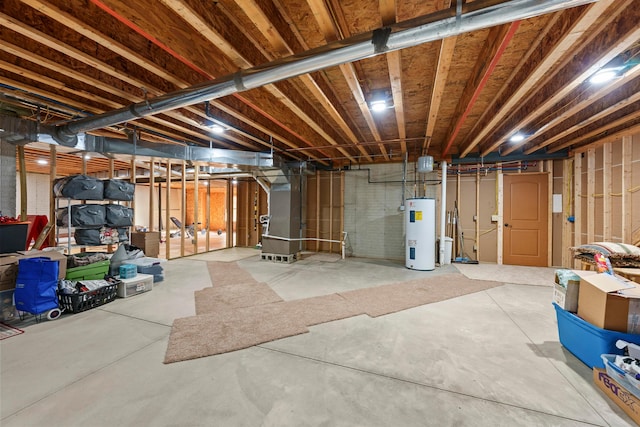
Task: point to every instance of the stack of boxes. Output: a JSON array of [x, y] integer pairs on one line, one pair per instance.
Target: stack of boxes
[[595, 311]]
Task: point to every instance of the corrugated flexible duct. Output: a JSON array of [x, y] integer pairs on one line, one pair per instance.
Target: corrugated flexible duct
[[465, 18]]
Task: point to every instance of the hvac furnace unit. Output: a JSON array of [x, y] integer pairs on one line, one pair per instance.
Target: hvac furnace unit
[[420, 220]]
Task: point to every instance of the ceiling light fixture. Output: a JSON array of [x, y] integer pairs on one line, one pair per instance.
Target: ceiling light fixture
[[216, 128], [378, 105], [42, 162], [87, 157], [605, 75], [517, 137]]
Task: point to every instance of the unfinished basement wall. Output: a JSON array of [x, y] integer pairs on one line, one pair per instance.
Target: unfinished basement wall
[[324, 211], [373, 207], [38, 194], [251, 202], [475, 189], [8, 204], [605, 202]]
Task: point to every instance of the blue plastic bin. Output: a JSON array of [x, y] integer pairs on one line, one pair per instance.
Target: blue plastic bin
[[587, 342], [127, 271]]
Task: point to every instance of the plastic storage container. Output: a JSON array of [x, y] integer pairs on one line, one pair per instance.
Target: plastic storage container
[[127, 271], [626, 380], [83, 301], [587, 342], [94, 271], [134, 286]]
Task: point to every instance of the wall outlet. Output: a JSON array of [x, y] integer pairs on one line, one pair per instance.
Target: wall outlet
[[475, 248], [494, 218], [475, 218]]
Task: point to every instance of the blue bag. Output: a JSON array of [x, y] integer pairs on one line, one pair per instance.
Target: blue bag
[[36, 285]]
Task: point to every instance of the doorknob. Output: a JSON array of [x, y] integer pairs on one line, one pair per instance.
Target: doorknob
[[506, 225]]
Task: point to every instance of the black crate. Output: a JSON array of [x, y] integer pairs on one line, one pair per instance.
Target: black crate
[[83, 301]]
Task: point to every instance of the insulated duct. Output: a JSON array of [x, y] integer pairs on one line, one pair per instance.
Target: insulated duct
[[439, 25]]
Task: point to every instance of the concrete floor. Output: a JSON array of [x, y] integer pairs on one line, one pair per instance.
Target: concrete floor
[[485, 359]]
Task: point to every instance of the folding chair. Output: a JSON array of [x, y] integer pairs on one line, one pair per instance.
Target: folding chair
[[188, 229]]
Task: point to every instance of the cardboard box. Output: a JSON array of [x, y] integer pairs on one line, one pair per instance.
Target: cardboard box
[[54, 255], [7, 309], [8, 271], [609, 302], [620, 395], [566, 290], [148, 241]]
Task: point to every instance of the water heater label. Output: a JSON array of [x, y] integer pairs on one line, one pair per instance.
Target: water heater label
[[412, 253], [412, 216], [418, 215], [411, 243]]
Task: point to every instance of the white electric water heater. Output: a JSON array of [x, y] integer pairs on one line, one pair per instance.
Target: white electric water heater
[[420, 224]]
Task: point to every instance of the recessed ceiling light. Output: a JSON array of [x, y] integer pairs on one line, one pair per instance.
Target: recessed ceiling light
[[378, 106], [216, 128], [42, 162], [604, 75], [517, 137]]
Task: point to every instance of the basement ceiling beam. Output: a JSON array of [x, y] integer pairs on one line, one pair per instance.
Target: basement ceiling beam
[[428, 28], [594, 56], [497, 41], [533, 146]]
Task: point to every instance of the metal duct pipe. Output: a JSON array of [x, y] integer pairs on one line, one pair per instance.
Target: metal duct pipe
[[439, 25]]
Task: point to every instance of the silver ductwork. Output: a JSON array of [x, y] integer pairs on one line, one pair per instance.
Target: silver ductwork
[[21, 131], [473, 16]]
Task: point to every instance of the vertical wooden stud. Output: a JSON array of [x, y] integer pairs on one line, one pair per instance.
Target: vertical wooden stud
[[500, 243], [477, 221], [627, 184], [167, 219], [229, 211], [196, 205], [567, 173], [110, 175], [607, 187], [591, 190], [53, 166], [577, 204], [183, 207], [549, 167], [152, 186], [341, 236], [318, 187]]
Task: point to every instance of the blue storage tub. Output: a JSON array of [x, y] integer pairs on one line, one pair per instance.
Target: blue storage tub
[[587, 342], [127, 271]]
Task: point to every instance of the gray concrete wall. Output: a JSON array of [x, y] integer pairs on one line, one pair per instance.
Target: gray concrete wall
[[373, 218], [8, 204]]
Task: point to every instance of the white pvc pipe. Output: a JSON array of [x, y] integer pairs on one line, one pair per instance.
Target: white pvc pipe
[[443, 211]]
